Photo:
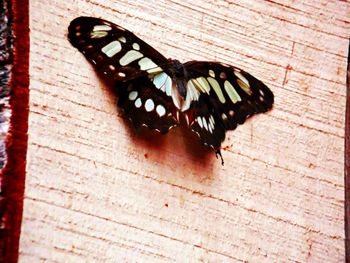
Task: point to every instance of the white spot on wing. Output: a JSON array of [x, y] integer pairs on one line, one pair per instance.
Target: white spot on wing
[[187, 119], [155, 70], [133, 95], [200, 123], [193, 92], [129, 57], [202, 84], [212, 119], [121, 74], [122, 39], [212, 123], [168, 86], [231, 92], [213, 82], [163, 82], [244, 87], [210, 129], [112, 48], [160, 110], [98, 34], [102, 28], [146, 64], [205, 123], [243, 82], [241, 77], [136, 46], [211, 73], [149, 105], [138, 103], [159, 81]]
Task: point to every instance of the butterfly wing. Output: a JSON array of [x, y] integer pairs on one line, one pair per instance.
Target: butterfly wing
[[147, 105], [222, 97], [143, 86]]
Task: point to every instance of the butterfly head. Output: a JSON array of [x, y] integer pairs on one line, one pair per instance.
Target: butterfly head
[[178, 72], [177, 68]]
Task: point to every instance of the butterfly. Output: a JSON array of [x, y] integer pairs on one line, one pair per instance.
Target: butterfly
[[158, 93]]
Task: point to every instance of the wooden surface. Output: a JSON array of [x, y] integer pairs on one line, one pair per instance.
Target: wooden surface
[[97, 191]]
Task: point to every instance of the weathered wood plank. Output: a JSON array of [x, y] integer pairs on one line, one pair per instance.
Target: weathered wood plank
[[14, 57], [97, 191]]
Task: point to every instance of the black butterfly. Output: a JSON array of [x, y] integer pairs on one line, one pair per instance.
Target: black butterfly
[[155, 91]]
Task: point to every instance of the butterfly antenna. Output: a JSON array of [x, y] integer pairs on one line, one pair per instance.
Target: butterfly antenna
[[218, 153]]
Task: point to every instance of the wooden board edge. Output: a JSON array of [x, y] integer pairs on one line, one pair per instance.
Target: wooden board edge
[[12, 176]]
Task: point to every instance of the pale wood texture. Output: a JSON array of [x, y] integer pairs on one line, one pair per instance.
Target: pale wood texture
[[96, 191]]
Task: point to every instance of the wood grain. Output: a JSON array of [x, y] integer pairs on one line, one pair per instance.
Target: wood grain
[[97, 191]]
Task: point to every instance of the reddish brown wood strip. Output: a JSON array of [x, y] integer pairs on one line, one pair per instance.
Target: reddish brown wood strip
[[13, 174]]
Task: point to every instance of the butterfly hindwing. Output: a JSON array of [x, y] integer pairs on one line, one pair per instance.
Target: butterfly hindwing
[[228, 95], [206, 123], [146, 105]]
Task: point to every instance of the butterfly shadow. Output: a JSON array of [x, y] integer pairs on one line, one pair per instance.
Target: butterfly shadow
[[186, 144], [195, 155]]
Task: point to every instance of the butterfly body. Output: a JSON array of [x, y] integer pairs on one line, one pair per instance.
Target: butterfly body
[[155, 91], [179, 74]]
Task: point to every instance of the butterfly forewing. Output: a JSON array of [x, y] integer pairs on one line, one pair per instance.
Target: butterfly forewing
[[227, 96], [144, 88], [114, 50]]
